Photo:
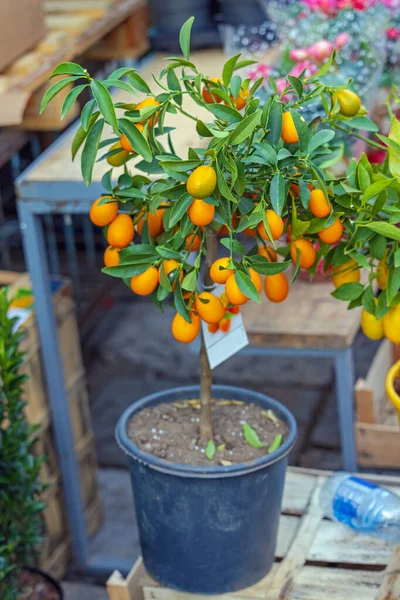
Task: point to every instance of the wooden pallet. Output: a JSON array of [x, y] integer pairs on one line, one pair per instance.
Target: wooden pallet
[[377, 426], [316, 559], [73, 26]]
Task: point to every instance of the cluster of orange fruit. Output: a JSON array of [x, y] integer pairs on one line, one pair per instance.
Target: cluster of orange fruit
[[201, 183]]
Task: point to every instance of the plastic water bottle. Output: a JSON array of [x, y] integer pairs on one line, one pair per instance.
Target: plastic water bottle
[[362, 505]]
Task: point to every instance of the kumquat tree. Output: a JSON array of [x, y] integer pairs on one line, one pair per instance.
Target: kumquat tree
[[261, 171]]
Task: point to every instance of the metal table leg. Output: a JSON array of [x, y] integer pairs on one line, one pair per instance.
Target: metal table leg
[[35, 256], [344, 378]]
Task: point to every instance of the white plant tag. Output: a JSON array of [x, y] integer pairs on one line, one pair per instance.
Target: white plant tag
[[220, 345]]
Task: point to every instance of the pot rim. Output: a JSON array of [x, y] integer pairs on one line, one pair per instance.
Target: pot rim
[[212, 472]]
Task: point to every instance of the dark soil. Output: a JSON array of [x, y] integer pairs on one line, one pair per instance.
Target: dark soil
[[396, 385], [35, 587], [171, 432]]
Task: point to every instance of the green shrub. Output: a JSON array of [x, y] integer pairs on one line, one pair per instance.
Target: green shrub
[[21, 508]]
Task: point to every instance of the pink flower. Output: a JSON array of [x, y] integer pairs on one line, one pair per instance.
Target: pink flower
[[281, 84], [320, 50], [328, 7], [391, 4], [393, 33], [304, 65], [258, 71], [341, 40], [298, 54]]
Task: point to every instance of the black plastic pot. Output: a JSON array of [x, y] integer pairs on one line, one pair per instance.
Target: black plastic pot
[[207, 530]]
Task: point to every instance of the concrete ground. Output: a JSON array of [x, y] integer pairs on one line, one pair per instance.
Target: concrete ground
[[130, 353]]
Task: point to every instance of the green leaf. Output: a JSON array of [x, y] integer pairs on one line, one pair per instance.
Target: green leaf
[[227, 113], [89, 151], [180, 303], [105, 103], [382, 306], [245, 128], [397, 258], [228, 69], [274, 123], [180, 166], [368, 301], [54, 90], [86, 114], [247, 287], [277, 441], [184, 37], [138, 83], [80, 136], [106, 181], [189, 282], [360, 258], [167, 253], [179, 209], [223, 186], [364, 124], [348, 291], [135, 137], [251, 436], [304, 194], [302, 130], [375, 188], [277, 192], [264, 267], [234, 245], [321, 137], [127, 270], [296, 84], [70, 99], [69, 68], [393, 283], [173, 81], [394, 154], [210, 449], [386, 229], [377, 246], [363, 177]]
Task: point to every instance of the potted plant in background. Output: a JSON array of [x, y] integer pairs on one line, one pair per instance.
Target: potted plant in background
[[21, 506], [208, 463]]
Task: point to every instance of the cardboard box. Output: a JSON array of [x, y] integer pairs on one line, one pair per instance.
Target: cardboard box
[[22, 26]]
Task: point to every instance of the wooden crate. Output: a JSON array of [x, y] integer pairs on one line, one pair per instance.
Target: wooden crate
[[316, 559], [56, 550], [127, 40], [377, 426], [73, 27]]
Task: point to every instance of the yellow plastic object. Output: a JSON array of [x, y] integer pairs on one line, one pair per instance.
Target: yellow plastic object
[[391, 392]]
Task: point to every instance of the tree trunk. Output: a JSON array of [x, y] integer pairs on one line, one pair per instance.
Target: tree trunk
[[206, 426]]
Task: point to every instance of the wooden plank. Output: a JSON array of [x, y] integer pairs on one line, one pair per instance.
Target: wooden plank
[[390, 587], [130, 588], [378, 445], [71, 35], [297, 492], [316, 583], [336, 543], [364, 398], [376, 376], [289, 570], [309, 317]]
